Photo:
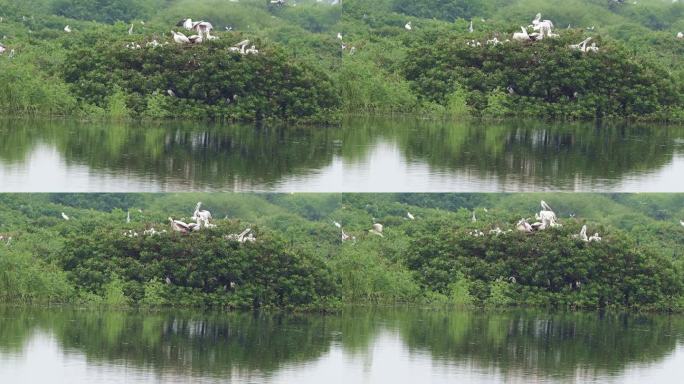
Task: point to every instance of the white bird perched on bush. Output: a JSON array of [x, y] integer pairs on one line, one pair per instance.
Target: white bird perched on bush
[[410, 216], [521, 36], [681, 222], [408, 26], [180, 38], [377, 229], [680, 35], [130, 30], [203, 215], [64, 216], [595, 237], [470, 27], [179, 226], [339, 36], [67, 29], [582, 235], [338, 225]]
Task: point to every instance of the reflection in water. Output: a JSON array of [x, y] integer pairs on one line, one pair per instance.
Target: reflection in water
[[361, 155], [363, 345]]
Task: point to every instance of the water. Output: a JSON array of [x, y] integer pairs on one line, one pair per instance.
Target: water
[[363, 155], [358, 345]]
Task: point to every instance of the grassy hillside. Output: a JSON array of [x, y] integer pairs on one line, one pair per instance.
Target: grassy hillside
[[299, 260]]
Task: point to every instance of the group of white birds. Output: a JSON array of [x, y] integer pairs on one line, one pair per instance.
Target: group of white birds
[[201, 28], [344, 46], [546, 218], [201, 219]]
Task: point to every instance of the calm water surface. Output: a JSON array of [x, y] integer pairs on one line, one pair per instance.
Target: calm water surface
[[363, 155], [356, 346]]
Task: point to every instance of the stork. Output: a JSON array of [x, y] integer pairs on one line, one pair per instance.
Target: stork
[[67, 29], [408, 26], [410, 216], [65, 217]]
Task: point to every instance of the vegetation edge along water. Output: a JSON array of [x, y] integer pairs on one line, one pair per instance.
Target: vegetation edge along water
[[317, 61], [435, 249]]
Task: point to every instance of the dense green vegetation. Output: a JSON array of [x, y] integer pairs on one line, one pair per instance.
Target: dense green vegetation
[[300, 262], [303, 74]]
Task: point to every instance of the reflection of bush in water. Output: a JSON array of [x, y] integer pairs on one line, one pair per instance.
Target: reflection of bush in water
[[220, 343], [218, 156], [547, 344]]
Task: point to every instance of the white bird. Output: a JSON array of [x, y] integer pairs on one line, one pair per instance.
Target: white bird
[[521, 36], [130, 30], [64, 216], [180, 38], [680, 35], [167, 280], [408, 26], [338, 225], [410, 216], [252, 51], [470, 27], [681, 222], [339, 36], [179, 226], [128, 217], [196, 39], [583, 234], [595, 237], [203, 27], [582, 46], [2, 48], [171, 93], [209, 36], [203, 215], [67, 29], [377, 229], [524, 226], [345, 237], [473, 219]]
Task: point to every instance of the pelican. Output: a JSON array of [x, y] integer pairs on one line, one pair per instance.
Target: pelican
[[410, 216], [203, 26], [239, 47], [210, 37], [524, 226], [252, 51], [408, 26], [582, 235], [130, 30], [65, 217], [521, 36], [582, 46], [196, 39], [67, 29], [680, 35], [180, 38], [179, 226], [470, 27], [595, 237], [377, 230], [203, 215]]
